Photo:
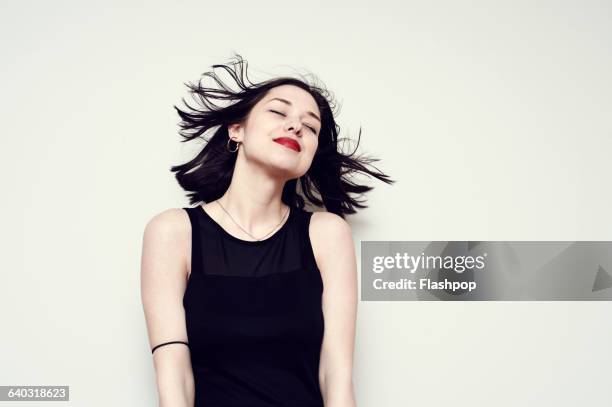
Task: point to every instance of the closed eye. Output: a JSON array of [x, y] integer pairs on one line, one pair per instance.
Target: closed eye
[[311, 128]]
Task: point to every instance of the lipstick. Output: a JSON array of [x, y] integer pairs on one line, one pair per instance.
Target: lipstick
[[289, 143]]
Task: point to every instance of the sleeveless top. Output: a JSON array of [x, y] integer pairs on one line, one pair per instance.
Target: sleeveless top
[[254, 315]]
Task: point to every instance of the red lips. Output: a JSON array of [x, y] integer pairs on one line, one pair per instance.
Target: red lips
[[288, 142]]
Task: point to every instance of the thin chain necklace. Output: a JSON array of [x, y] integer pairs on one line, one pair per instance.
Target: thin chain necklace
[[237, 224]]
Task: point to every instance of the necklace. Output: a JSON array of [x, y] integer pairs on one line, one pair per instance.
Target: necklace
[[237, 224]]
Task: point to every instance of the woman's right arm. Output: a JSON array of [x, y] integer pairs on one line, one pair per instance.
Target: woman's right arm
[[165, 260]]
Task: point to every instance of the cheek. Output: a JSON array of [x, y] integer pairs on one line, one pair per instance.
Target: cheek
[[259, 128], [314, 145], [312, 141], [257, 136], [311, 147]]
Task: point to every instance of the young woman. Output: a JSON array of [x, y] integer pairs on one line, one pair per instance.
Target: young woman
[[250, 300]]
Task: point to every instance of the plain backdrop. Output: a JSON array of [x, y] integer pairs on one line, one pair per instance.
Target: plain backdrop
[[493, 116]]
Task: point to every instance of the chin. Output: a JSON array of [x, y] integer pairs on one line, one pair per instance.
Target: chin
[[284, 169]]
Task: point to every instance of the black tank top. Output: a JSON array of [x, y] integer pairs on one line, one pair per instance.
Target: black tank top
[[254, 315]]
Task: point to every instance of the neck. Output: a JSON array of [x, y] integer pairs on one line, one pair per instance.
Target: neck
[[253, 198]]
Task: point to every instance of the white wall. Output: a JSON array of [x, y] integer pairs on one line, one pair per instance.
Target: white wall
[[493, 116]]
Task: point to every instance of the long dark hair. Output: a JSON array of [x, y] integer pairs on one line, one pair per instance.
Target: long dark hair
[[208, 175]]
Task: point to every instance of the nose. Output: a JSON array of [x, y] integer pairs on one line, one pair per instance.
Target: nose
[[295, 126]]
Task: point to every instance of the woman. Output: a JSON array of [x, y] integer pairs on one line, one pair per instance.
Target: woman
[[250, 300]]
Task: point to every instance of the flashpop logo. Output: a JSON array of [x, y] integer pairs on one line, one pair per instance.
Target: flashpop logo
[[413, 263]]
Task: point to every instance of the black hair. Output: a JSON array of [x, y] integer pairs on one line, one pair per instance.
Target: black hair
[[208, 175]]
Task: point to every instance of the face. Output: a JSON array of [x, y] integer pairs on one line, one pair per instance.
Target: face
[[281, 132]]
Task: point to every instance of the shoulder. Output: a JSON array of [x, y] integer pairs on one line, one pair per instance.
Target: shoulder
[[329, 233], [171, 222], [166, 242], [328, 224]]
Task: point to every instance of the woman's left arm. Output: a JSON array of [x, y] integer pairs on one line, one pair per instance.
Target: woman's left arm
[[334, 251]]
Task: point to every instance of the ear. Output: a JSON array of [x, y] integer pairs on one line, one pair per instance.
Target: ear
[[235, 132]]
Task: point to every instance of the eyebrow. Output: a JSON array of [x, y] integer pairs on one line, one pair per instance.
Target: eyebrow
[[289, 103]]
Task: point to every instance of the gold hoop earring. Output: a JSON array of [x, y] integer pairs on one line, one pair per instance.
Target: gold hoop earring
[[228, 145]]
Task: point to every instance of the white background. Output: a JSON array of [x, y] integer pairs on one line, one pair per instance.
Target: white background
[[494, 117]]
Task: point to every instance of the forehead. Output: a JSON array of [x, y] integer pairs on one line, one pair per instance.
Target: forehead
[[297, 96]]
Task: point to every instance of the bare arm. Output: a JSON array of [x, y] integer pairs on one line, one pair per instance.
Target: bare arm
[[333, 246], [163, 278]]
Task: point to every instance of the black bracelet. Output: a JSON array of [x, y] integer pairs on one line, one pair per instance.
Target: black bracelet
[[168, 343]]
